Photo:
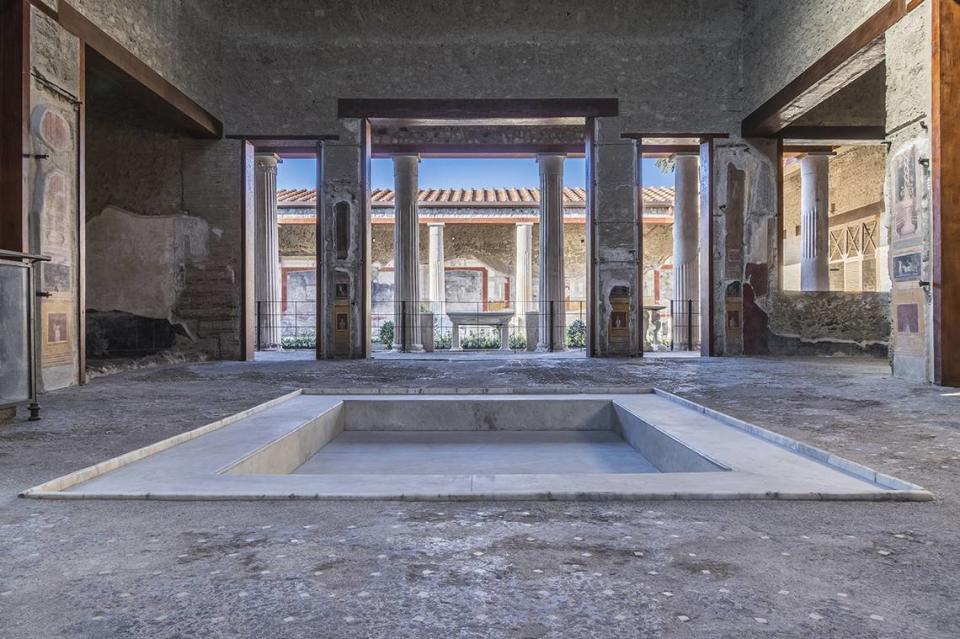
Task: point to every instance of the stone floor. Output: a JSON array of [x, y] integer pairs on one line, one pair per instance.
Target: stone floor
[[375, 569]]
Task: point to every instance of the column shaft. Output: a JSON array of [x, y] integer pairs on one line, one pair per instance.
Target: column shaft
[[406, 238], [686, 260], [267, 252], [686, 283], [523, 273], [552, 311], [815, 223], [435, 270]]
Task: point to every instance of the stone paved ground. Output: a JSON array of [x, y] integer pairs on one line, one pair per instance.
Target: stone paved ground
[[520, 569]]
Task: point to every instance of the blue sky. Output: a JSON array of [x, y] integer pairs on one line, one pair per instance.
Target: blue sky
[[483, 173]]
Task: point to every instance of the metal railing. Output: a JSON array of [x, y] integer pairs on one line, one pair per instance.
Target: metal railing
[[288, 325], [19, 354], [479, 325], [684, 325]]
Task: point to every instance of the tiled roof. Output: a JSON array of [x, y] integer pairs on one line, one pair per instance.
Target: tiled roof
[[505, 197]]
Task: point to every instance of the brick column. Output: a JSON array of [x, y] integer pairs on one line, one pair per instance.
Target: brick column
[[267, 252]]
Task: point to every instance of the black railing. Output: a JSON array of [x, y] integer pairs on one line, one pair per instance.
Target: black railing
[[684, 325], [288, 325], [478, 325]]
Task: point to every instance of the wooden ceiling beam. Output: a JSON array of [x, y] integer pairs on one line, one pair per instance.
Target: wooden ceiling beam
[[853, 56], [108, 57]]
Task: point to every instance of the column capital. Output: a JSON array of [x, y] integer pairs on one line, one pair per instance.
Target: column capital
[[524, 223], [267, 161], [406, 156], [551, 162], [440, 224]]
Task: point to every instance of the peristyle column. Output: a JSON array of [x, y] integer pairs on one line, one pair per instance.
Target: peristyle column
[[815, 222], [686, 198], [523, 273], [551, 302], [435, 267], [267, 251], [406, 246]]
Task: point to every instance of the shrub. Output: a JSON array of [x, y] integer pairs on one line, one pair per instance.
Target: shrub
[[577, 334], [386, 333], [518, 341], [300, 341], [478, 342]]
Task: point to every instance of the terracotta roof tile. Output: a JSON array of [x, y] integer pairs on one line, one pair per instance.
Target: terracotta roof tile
[[503, 197]]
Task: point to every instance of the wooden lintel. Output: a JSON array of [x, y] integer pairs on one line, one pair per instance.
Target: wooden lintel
[[858, 133], [107, 56], [14, 115], [945, 170], [477, 108], [669, 149], [803, 150], [856, 54], [670, 136], [475, 150]]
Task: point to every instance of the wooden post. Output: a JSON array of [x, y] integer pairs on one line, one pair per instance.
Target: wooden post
[[946, 191], [14, 113]]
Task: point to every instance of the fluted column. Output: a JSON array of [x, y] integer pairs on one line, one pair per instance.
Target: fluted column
[[523, 287], [406, 246], [551, 254], [815, 222], [267, 252], [686, 272], [435, 267]]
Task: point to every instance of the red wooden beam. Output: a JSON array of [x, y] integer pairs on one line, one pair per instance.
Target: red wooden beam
[[852, 57], [14, 114], [945, 168]]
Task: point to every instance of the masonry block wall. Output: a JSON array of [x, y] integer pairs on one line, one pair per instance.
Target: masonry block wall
[[54, 195], [908, 193]]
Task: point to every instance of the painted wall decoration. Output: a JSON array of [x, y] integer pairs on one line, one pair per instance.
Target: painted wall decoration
[[906, 210], [908, 318], [57, 332], [907, 267]]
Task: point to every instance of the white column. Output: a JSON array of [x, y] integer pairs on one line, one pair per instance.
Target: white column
[[267, 252], [815, 222], [406, 246], [686, 259], [523, 273], [686, 199], [435, 268], [551, 254]]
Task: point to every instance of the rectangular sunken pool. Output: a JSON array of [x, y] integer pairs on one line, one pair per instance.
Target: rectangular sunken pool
[[649, 445]]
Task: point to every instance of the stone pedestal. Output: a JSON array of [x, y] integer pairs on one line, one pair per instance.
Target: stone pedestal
[[815, 222], [551, 298], [406, 246], [267, 252], [532, 321]]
